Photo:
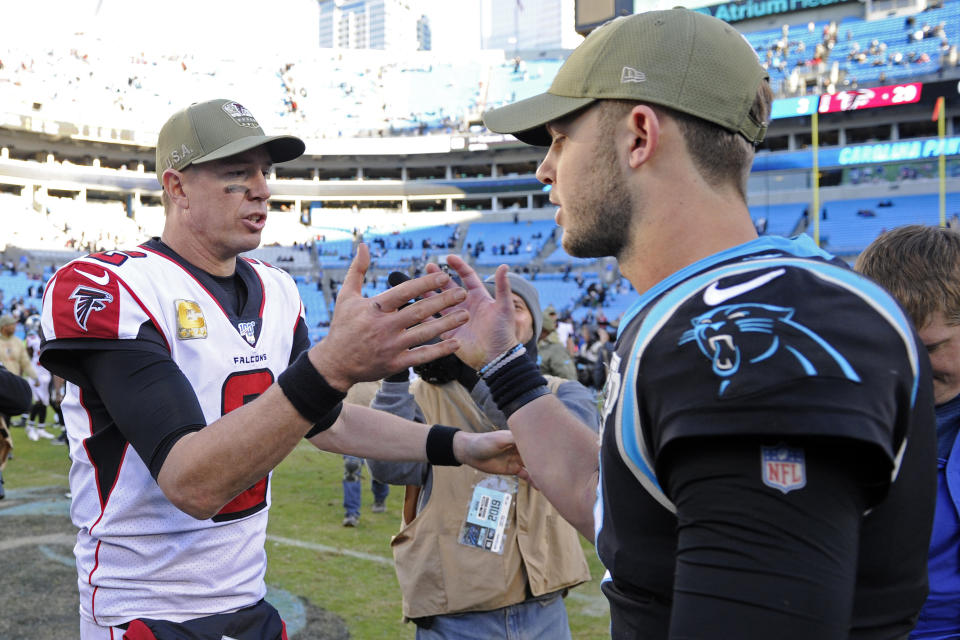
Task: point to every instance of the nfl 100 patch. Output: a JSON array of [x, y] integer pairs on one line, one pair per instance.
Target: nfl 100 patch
[[783, 468]]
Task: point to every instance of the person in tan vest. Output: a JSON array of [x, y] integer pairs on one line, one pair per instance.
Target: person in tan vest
[[480, 555]]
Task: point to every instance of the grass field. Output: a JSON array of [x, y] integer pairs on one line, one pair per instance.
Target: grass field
[[307, 507]]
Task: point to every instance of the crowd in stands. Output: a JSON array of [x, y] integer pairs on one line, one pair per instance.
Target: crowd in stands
[[327, 93], [322, 94], [855, 53]]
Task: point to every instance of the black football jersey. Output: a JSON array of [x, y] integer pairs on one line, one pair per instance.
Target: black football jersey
[[771, 339]]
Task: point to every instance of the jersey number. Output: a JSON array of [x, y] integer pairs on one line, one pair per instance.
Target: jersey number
[[117, 258], [239, 389]]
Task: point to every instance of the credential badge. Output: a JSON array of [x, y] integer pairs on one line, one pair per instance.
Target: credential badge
[[783, 467], [190, 321]]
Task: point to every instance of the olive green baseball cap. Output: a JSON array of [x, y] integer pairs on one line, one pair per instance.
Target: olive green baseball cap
[[217, 129], [676, 58]]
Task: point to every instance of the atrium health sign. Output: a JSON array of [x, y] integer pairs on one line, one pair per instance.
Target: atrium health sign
[[746, 9]]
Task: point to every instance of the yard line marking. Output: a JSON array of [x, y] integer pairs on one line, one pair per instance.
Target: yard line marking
[[50, 538], [313, 546], [595, 606]]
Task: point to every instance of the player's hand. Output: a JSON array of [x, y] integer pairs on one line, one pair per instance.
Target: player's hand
[[491, 329], [492, 452], [371, 338]]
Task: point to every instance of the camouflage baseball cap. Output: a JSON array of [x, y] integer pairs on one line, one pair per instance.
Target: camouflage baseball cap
[[217, 129], [676, 58]]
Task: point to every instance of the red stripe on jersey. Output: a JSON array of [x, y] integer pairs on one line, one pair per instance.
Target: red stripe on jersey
[[147, 311], [252, 497], [86, 302], [93, 596], [96, 563], [263, 294], [300, 316], [96, 470]]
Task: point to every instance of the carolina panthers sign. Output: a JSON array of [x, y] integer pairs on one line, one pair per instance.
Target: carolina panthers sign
[[750, 339]]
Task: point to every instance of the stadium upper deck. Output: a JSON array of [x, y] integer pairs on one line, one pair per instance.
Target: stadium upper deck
[[77, 125]]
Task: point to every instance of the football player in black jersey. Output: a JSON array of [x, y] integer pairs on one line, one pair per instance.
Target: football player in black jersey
[[766, 467]]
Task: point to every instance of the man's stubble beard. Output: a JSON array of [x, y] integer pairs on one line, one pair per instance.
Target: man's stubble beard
[[598, 222]]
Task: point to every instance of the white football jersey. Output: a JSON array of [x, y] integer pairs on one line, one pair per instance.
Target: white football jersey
[[41, 386], [137, 554]]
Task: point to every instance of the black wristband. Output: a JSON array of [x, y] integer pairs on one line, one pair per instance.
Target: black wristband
[[308, 391], [510, 386], [440, 446], [511, 407], [326, 422]]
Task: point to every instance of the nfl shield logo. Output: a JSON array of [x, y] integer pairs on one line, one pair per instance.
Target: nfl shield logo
[[783, 468]]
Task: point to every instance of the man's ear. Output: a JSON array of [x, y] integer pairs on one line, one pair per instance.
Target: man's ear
[[173, 185], [643, 128]]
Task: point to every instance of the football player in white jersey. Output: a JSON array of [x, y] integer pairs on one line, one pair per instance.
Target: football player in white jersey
[[191, 377], [36, 421]]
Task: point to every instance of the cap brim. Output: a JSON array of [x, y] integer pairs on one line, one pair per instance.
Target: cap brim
[[527, 119], [281, 148]]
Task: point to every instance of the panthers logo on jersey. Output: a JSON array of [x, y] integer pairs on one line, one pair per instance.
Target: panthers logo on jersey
[[765, 342]]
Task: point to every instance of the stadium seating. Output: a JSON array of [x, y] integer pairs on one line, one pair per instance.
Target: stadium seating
[[850, 225], [331, 94], [528, 238], [778, 219], [889, 36]]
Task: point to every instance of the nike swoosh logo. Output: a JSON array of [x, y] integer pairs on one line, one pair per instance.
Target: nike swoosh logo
[[100, 280], [715, 295]]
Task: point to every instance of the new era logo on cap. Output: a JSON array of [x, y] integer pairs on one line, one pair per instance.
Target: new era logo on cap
[[693, 63], [629, 74]]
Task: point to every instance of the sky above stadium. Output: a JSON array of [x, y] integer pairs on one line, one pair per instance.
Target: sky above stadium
[[194, 26], [237, 26]]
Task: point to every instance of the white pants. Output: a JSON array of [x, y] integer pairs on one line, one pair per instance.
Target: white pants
[[41, 387]]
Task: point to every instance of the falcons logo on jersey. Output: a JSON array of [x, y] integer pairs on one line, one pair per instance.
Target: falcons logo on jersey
[[86, 301]]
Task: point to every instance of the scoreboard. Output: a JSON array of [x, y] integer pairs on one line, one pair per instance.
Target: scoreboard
[[852, 100]]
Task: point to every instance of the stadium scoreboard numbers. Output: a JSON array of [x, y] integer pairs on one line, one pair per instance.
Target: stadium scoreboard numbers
[[852, 100]]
